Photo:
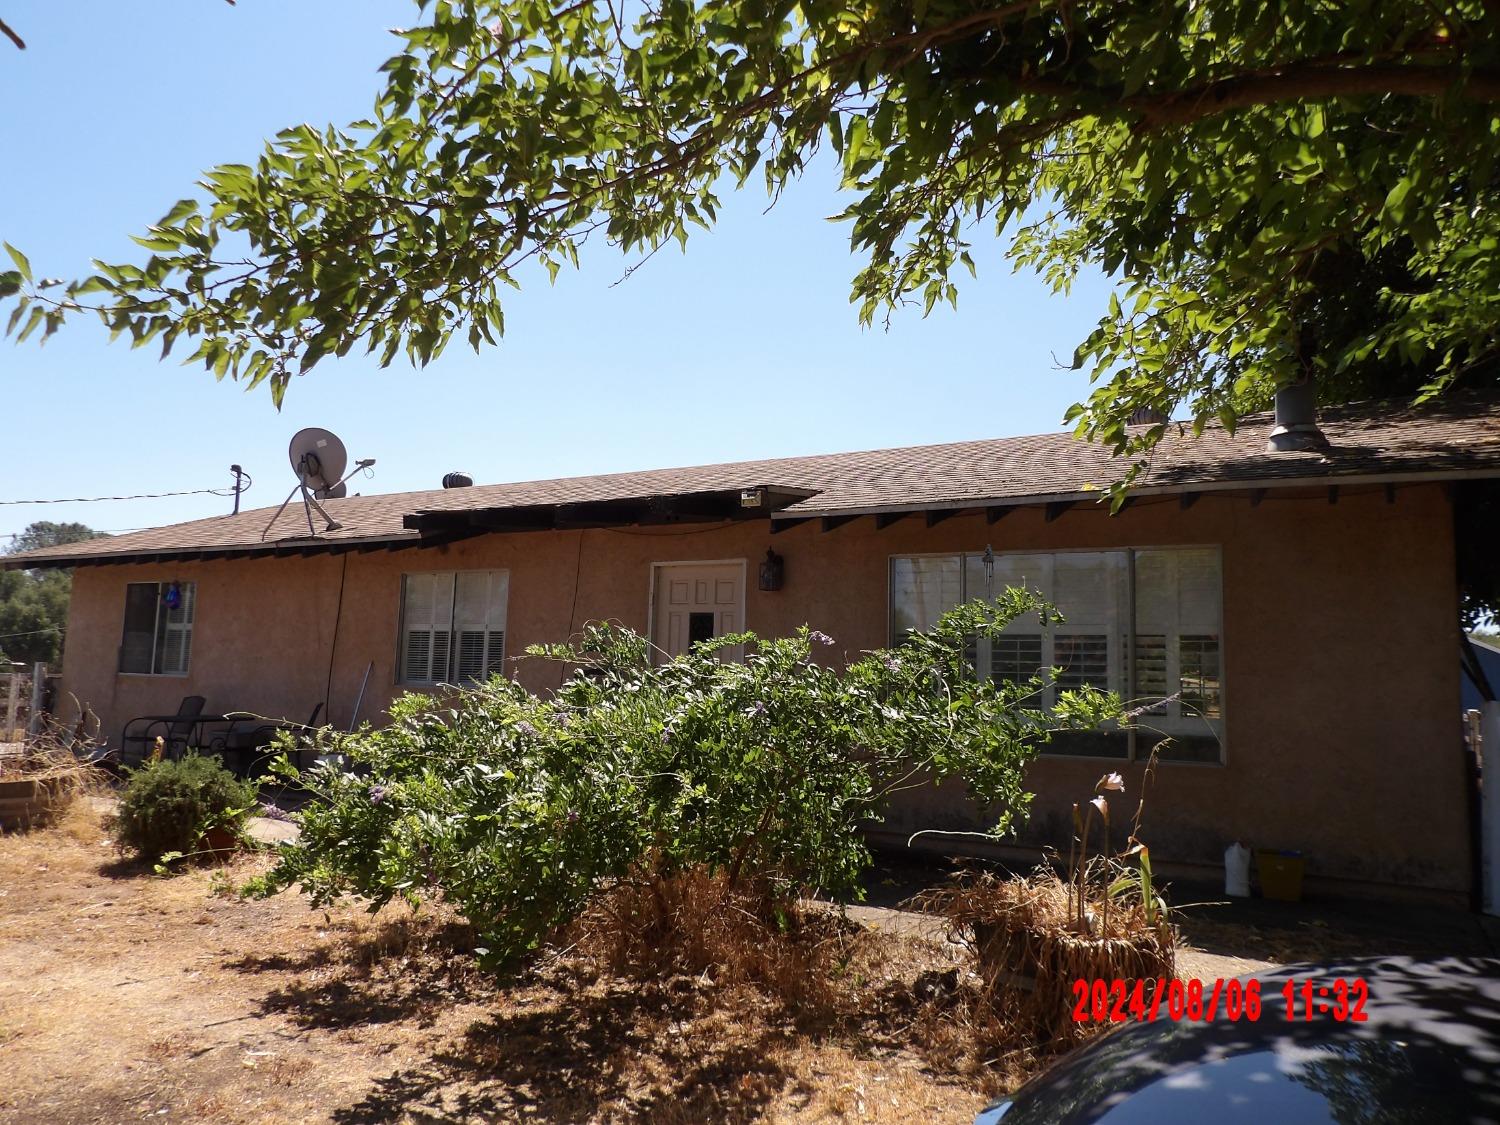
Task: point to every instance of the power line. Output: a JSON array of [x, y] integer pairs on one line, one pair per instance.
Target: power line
[[135, 496]]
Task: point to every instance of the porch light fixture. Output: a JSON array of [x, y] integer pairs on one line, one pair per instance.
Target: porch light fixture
[[772, 571], [752, 498], [989, 572]]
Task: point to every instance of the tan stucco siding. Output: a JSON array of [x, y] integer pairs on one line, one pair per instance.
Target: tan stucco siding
[[1340, 634]]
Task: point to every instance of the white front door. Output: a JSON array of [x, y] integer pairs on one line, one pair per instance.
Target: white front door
[[696, 601]]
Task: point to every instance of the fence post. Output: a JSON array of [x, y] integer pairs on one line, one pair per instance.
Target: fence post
[[12, 702], [1489, 811], [38, 689]]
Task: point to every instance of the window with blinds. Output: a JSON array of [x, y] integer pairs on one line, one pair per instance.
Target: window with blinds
[[453, 626], [1141, 623], [158, 634], [1178, 604]]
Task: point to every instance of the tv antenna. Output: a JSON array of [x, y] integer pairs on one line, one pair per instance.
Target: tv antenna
[[319, 459]]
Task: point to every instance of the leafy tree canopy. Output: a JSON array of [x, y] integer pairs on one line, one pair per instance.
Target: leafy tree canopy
[[46, 533], [34, 604], [1278, 188]]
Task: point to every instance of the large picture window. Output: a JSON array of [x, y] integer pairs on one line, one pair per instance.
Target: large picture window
[[452, 626], [1143, 623], [158, 636]]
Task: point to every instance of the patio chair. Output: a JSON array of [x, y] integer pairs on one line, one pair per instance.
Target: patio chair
[[176, 731], [246, 750]]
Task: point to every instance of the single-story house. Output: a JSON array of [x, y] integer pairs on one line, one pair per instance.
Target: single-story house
[[1298, 610]]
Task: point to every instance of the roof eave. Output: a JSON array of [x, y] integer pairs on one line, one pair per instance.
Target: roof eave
[[457, 524]]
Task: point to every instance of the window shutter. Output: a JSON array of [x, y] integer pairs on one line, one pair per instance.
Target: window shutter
[[416, 659], [1177, 607], [479, 620], [426, 627], [453, 625], [174, 646]]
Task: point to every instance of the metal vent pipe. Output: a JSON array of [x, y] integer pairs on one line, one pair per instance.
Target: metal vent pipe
[[1296, 429]]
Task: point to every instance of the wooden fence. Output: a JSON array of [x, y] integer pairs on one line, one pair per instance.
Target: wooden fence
[[23, 700]]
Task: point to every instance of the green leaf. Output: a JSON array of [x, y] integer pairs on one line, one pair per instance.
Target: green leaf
[[180, 210], [20, 259]]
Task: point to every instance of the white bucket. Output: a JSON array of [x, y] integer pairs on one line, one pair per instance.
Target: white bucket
[[1237, 871]]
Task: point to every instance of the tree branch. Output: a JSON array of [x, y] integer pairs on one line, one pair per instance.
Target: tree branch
[[11, 35], [1308, 81]]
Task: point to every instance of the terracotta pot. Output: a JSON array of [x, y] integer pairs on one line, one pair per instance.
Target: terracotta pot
[[219, 841]]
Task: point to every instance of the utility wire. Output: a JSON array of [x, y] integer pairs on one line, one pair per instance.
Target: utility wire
[[136, 496]]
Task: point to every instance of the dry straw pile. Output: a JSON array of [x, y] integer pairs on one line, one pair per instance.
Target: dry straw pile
[[1029, 950]]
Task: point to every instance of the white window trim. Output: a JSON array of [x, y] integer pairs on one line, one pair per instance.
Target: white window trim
[[1128, 636]]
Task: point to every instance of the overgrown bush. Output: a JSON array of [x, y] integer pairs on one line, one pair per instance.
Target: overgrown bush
[[519, 809], [169, 806]]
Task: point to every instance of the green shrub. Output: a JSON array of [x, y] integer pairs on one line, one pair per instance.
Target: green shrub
[[519, 809], [169, 805]]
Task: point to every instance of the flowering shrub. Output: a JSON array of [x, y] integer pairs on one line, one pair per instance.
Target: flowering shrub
[[168, 805], [519, 808]]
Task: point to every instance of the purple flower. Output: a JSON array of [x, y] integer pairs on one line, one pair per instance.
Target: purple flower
[[821, 637], [273, 812], [523, 727], [892, 662], [666, 735], [759, 708], [378, 793], [572, 817]]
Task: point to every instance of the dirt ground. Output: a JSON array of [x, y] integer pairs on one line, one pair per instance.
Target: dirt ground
[[125, 996]]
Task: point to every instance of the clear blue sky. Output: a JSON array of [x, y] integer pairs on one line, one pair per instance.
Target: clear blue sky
[[746, 346]]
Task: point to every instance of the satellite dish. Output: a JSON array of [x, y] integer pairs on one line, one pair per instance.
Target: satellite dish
[[318, 458]]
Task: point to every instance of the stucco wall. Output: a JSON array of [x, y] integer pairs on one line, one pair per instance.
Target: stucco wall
[[1339, 652]]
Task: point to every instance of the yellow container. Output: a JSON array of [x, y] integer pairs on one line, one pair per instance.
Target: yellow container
[[1280, 874]]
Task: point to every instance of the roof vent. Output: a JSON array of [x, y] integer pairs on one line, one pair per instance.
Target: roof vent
[[1296, 428], [457, 480], [1147, 416]]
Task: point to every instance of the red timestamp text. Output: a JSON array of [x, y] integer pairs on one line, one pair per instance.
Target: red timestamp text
[[1145, 1000]]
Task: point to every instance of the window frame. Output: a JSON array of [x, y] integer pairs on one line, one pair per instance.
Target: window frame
[[159, 629], [1127, 634], [400, 676]]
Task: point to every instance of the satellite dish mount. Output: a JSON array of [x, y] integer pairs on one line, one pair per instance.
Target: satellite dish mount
[[319, 459]]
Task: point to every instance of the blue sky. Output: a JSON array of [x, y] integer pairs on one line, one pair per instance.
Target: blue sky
[[746, 346]]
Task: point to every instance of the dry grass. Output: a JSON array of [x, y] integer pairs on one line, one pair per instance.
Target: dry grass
[[122, 994], [654, 927], [1028, 953], [62, 779]]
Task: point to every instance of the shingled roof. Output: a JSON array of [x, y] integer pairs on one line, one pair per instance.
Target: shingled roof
[[1457, 436]]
